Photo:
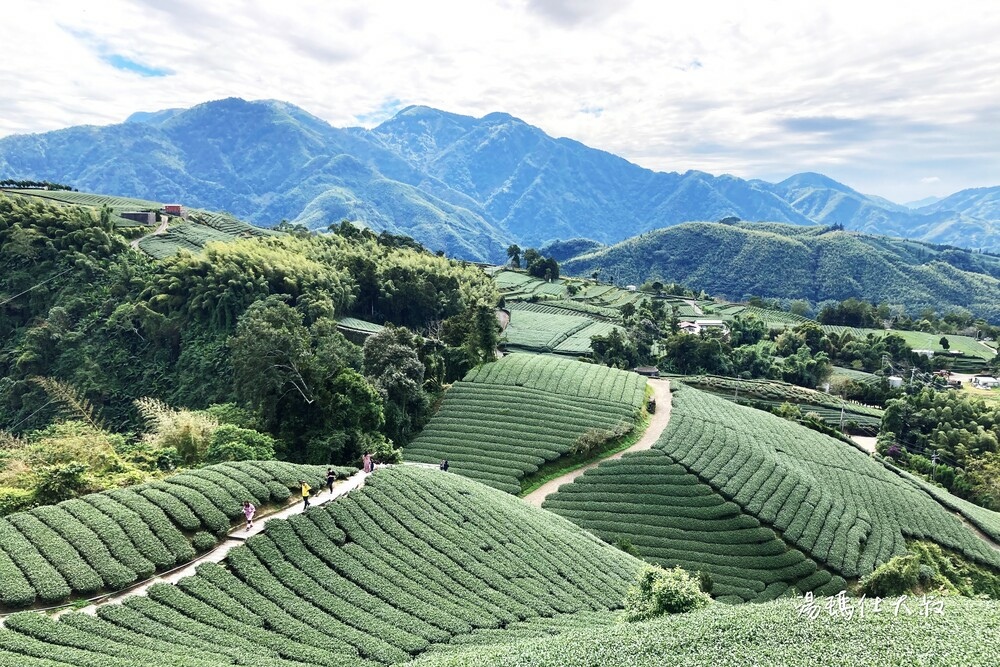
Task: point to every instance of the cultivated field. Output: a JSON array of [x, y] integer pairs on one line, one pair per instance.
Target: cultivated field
[[506, 419], [774, 633], [743, 473], [673, 518], [412, 559], [106, 541]]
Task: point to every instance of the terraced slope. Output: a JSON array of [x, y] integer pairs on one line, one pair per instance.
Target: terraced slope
[[726, 485], [673, 518], [106, 541], [507, 418], [412, 559], [966, 633]]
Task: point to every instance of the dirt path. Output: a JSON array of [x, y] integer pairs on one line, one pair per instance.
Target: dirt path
[[975, 529], [159, 230], [866, 442], [235, 538], [657, 423]]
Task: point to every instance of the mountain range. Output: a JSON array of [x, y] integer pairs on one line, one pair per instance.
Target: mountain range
[[468, 186]]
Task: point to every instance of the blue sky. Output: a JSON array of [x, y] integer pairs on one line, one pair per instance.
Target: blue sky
[[900, 103]]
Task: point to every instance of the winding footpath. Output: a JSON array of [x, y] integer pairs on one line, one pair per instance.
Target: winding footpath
[[234, 538], [159, 230], [657, 423]]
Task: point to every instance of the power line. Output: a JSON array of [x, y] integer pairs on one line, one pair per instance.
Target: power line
[[34, 286]]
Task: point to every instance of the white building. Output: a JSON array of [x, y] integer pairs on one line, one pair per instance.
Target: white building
[[985, 382]]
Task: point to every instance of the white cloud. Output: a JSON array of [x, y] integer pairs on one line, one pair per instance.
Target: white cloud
[[868, 93], [927, 180]]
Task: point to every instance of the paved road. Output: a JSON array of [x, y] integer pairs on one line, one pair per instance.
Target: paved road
[[658, 422]]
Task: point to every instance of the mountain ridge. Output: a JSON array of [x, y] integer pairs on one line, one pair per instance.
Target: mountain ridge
[[468, 186]]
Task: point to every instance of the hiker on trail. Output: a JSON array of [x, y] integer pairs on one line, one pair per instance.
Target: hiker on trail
[[305, 493], [366, 462], [248, 512], [444, 465], [330, 479]]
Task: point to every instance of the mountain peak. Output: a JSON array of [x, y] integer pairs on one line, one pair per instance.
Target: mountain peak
[[811, 179]]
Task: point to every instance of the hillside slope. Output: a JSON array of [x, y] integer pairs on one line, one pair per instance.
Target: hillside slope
[[506, 419], [775, 633], [412, 559], [814, 263], [722, 477]]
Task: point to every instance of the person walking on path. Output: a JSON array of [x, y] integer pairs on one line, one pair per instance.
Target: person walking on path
[[248, 512], [444, 465], [331, 477], [305, 492], [366, 462]]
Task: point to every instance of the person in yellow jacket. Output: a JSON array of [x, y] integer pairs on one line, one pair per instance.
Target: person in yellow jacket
[[305, 492]]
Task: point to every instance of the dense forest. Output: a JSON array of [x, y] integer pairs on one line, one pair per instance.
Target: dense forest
[[814, 264], [229, 353]]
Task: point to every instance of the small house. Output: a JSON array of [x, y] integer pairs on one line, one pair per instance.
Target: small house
[[173, 209], [985, 382], [895, 381], [145, 217], [648, 371], [925, 353]]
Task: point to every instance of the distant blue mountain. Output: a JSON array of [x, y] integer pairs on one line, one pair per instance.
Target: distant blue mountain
[[468, 186]]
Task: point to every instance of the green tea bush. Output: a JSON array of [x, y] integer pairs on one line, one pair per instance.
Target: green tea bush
[[658, 591]]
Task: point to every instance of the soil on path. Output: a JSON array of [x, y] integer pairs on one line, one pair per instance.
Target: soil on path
[[657, 423], [159, 230], [866, 442]]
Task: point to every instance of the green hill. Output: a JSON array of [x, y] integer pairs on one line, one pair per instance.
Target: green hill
[[753, 499], [106, 541], [766, 634], [412, 559], [506, 419], [813, 263]]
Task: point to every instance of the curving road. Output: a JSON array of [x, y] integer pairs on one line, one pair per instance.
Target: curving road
[[657, 423]]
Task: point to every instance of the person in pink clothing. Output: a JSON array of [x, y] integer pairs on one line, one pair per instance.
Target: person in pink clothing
[[248, 512]]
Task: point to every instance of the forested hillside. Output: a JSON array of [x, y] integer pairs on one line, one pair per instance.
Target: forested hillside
[[89, 325], [813, 263]]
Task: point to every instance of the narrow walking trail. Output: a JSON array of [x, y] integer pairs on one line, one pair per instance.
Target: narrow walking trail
[[159, 230], [235, 538], [657, 423]]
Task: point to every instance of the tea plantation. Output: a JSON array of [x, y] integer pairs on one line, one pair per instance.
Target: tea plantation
[[837, 506], [966, 632], [412, 559], [507, 418], [107, 541], [672, 517]]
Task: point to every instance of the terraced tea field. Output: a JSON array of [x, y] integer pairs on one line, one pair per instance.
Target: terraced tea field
[[673, 518], [775, 633], [506, 419], [201, 227], [535, 330], [757, 500], [412, 559], [107, 541]]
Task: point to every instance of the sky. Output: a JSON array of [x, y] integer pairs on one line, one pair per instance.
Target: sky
[[901, 100]]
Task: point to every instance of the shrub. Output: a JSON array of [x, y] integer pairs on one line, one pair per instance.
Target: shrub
[[659, 591], [233, 443], [14, 500], [203, 541], [897, 576]]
